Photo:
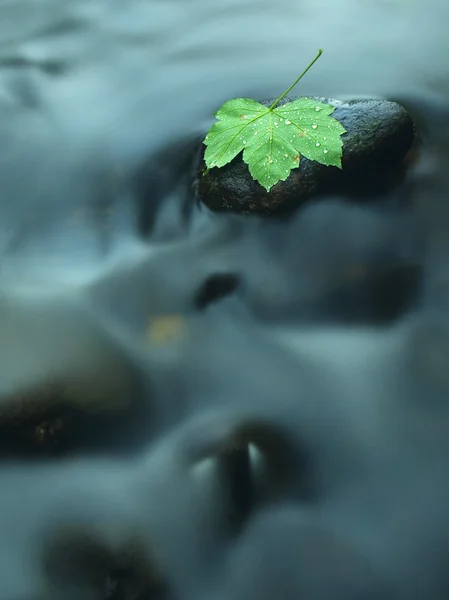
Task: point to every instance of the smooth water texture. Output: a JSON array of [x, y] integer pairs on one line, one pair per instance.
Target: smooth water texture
[[119, 370], [93, 87]]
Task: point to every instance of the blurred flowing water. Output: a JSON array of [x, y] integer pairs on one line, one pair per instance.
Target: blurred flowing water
[[95, 87], [101, 105]]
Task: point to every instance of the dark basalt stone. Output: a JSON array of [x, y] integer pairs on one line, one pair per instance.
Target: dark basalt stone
[[379, 135]]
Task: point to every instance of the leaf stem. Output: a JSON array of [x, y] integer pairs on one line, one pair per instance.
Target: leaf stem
[[320, 52]]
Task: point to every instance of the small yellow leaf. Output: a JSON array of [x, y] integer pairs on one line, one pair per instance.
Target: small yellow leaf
[[165, 328]]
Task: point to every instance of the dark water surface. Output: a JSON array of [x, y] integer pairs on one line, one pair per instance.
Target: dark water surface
[[213, 406]]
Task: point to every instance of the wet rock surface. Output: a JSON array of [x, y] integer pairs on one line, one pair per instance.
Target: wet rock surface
[[379, 135]]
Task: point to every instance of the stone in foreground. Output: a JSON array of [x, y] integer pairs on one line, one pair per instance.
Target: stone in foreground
[[379, 135]]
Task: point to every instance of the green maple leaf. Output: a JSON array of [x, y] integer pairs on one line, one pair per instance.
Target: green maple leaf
[[274, 138]]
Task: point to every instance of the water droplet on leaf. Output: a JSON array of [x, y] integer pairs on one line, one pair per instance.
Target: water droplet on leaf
[[267, 124]]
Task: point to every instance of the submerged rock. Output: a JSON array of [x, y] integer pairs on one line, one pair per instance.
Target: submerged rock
[[379, 135]]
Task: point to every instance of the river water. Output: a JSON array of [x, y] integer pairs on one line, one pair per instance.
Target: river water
[[101, 104], [100, 86]]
